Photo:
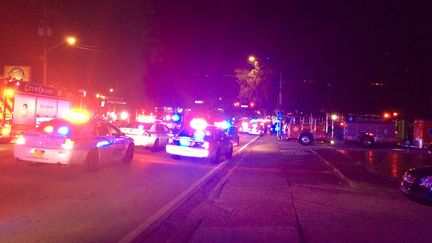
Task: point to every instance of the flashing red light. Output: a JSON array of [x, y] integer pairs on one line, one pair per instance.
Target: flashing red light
[[395, 114], [386, 115]]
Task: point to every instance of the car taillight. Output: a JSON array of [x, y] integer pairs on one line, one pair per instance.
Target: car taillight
[[20, 140], [206, 145], [68, 144]]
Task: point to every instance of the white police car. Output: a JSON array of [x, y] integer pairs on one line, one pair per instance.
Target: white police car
[[201, 141], [86, 143], [154, 135]]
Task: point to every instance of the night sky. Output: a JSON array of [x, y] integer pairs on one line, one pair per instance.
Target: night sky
[[172, 52]]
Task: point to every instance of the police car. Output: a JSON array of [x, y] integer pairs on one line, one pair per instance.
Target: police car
[[201, 140], [154, 135], [87, 143]]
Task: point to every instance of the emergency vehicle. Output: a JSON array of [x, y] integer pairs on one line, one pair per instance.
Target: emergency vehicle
[[308, 128], [23, 105], [200, 140], [422, 134], [368, 130]]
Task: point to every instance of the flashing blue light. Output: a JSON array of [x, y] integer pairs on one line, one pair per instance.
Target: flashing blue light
[[63, 131], [102, 143], [184, 141], [199, 135], [350, 118], [175, 117]]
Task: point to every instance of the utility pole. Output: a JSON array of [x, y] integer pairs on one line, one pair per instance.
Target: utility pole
[[280, 90], [45, 31]]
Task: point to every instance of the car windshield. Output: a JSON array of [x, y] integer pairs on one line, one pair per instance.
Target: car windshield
[[145, 126], [190, 132]]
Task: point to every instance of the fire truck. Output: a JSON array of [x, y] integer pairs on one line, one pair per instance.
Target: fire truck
[[309, 128], [23, 105], [368, 130]]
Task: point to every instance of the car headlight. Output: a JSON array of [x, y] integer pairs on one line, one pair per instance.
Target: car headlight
[[426, 182]]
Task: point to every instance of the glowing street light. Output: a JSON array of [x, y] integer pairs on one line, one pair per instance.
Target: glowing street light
[[252, 59], [70, 40]]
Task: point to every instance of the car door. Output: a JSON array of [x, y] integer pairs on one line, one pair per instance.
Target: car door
[[162, 133], [119, 142], [104, 142], [224, 142], [219, 140]]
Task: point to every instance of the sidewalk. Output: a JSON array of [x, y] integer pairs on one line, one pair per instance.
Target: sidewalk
[[255, 205]]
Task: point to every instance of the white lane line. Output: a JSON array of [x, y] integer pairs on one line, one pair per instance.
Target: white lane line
[[334, 169], [162, 214], [244, 146]]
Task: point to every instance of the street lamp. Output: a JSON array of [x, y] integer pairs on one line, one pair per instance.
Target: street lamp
[[252, 59], [70, 40]]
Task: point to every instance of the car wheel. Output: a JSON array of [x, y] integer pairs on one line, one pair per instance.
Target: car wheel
[[366, 141], [306, 139], [129, 154], [156, 146], [176, 157], [92, 161], [216, 157]]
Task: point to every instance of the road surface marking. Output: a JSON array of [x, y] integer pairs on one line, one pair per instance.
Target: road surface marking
[[162, 214], [333, 168]]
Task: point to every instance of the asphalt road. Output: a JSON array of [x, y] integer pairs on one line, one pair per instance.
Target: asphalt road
[[271, 191]]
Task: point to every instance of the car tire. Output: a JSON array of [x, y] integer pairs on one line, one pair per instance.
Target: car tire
[[176, 157], [91, 162], [216, 158], [306, 139], [129, 154], [366, 141], [156, 145]]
